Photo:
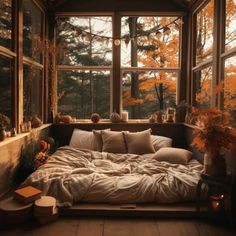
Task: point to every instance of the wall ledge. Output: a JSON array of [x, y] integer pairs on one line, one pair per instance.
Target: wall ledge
[[23, 135]]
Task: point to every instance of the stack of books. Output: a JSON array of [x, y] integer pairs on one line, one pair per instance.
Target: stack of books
[[45, 209], [27, 194]]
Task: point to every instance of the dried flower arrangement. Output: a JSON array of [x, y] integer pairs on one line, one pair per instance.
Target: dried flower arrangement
[[214, 130], [4, 120]]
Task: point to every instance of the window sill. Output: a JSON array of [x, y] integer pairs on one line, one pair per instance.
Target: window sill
[[23, 135]]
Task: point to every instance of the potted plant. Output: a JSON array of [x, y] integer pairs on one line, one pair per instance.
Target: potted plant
[[214, 135], [4, 121]]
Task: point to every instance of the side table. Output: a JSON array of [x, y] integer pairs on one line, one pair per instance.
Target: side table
[[218, 193]]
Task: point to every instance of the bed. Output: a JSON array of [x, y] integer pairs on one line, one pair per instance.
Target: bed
[[129, 174]]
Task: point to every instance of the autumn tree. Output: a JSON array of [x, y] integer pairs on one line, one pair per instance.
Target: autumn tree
[[152, 48]]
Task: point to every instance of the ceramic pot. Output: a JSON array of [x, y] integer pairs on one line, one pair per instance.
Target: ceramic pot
[[214, 164]]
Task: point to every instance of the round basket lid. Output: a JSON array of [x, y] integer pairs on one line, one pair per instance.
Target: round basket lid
[[45, 201]]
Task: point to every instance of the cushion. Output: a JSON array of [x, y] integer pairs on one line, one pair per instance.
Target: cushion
[[113, 142], [97, 140], [173, 155], [139, 142], [82, 139], [160, 142]]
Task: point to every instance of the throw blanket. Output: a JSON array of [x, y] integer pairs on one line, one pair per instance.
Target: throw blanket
[[72, 175]]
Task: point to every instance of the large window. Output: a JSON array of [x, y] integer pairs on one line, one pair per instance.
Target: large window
[[33, 47], [84, 59], [203, 51], [149, 65]]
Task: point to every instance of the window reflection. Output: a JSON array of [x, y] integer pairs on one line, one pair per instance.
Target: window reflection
[[5, 85], [5, 23]]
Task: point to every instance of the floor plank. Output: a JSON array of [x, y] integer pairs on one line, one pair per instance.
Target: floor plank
[[90, 226], [211, 228], [130, 227], [177, 227]]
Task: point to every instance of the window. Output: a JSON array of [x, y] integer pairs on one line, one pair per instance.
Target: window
[[84, 58], [81, 93], [32, 94], [150, 63], [5, 23], [149, 53], [230, 25], [230, 85], [203, 60], [6, 67], [203, 81], [204, 36], [32, 31], [33, 47]]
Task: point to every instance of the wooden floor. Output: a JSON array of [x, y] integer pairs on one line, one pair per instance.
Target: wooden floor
[[104, 226]]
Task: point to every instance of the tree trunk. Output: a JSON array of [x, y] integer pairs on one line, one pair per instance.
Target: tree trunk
[[134, 62]]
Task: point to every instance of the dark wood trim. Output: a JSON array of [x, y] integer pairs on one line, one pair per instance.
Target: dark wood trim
[[183, 60], [116, 73], [20, 64], [216, 65]]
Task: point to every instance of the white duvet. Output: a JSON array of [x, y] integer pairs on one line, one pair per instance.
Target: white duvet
[[74, 175]]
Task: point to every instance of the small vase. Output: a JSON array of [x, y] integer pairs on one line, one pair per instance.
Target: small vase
[[214, 164], [2, 134]]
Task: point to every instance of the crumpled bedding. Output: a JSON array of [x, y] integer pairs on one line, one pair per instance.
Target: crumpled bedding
[[79, 175]]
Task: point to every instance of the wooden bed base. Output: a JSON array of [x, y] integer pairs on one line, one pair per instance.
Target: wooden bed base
[[183, 210]]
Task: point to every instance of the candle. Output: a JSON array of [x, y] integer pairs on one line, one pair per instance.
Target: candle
[[124, 116], [217, 202]]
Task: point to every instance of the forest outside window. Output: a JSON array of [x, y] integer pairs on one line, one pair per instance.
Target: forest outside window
[[33, 47], [84, 62], [150, 63], [6, 66], [5, 23], [204, 35]]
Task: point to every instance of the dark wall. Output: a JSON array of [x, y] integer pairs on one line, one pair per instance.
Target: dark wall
[[62, 132], [119, 5]]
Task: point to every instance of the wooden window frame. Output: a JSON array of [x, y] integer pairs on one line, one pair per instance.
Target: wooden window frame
[[116, 68]]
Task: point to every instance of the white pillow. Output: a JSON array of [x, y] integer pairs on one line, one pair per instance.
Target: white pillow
[[82, 139], [160, 142], [173, 155]]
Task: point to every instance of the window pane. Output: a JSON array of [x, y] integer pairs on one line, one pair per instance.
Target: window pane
[[5, 23], [81, 93], [32, 92], [230, 85], [32, 31], [204, 37], [83, 41], [203, 80], [147, 92], [5, 85], [230, 27], [146, 42]]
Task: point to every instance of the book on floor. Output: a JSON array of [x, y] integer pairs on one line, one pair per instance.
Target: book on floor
[[27, 194]]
